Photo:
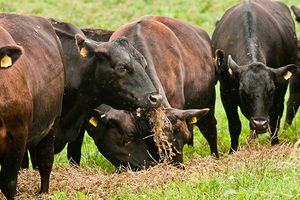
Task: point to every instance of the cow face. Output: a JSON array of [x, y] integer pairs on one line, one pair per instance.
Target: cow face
[[126, 140], [119, 67], [257, 89], [9, 55], [121, 137], [182, 122]]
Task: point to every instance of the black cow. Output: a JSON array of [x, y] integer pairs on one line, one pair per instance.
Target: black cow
[[181, 66], [294, 98], [32, 83], [253, 43]]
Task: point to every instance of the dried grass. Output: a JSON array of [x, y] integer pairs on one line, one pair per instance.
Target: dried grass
[[98, 185], [161, 127]]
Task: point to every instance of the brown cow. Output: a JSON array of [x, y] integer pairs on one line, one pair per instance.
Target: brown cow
[[32, 82]]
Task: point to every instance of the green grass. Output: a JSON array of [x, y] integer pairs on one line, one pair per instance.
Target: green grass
[[271, 183]]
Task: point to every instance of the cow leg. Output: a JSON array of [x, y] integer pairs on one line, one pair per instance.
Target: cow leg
[[191, 140], [234, 122], [11, 164], [207, 126], [8, 177], [44, 160], [25, 162], [276, 114], [74, 149], [294, 99], [32, 152]]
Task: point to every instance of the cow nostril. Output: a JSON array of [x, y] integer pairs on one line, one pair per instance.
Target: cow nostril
[[155, 99], [260, 123]]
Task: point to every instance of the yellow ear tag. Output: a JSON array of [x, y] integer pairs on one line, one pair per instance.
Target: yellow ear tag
[[193, 120], [287, 75], [230, 71], [6, 61], [84, 52], [94, 121]]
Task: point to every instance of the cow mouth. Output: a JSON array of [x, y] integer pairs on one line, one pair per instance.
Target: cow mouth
[[259, 125]]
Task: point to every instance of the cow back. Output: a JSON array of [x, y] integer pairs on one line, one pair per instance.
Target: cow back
[[180, 57], [266, 28]]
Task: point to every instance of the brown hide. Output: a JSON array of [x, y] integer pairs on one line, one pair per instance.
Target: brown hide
[[31, 96]]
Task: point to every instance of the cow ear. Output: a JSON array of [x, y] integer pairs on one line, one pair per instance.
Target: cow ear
[[283, 74], [191, 115], [296, 11], [9, 55], [232, 66], [219, 58], [86, 46]]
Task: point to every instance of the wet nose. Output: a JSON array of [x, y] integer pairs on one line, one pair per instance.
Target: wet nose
[[155, 99], [259, 124]]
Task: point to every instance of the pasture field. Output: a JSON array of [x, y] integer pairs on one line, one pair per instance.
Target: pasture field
[[257, 171]]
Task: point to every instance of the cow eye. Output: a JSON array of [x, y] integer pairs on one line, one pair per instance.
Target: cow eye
[[124, 69], [130, 135]]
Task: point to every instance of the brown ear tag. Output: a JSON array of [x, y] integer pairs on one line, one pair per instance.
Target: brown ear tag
[[94, 121], [230, 71], [287, 75], [193, 120], [84, 52], [6, 61]]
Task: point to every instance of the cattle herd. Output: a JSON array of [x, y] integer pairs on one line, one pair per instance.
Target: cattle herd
[[58, 81]]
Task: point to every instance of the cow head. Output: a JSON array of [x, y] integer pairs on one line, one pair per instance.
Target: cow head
[[9, 55], [121, 137], [118, 67], [182, 122], [126, 140], [257, 84]]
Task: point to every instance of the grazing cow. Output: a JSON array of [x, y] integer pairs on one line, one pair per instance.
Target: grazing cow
[[32, 83], [294, 98], [106, 72], [126, 140], [181, 66], [254, 42]]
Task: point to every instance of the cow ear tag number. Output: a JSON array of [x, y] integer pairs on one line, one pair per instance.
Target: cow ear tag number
[[6, 61], [84, 52], [94, 121], [193, 120], [287, 75]]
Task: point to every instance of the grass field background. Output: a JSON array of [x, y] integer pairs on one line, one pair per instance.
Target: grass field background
[[246, 181]]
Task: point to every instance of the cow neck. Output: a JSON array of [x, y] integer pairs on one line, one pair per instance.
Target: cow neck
[[74, 103], [150, 69]]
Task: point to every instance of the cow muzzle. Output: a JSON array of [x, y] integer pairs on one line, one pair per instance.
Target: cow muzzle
[[155, 100], [260, 125]]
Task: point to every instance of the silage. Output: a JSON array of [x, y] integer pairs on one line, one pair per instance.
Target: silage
[[161, 127]]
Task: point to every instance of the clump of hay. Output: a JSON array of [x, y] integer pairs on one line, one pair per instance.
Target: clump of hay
[[161, 127]]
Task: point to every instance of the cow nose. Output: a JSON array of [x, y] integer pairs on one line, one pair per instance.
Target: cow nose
[[259, 124], [155, 99]]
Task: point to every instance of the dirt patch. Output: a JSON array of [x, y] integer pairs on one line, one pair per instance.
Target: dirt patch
[[96, 184]]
